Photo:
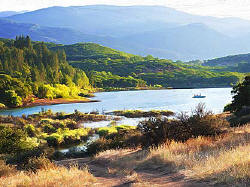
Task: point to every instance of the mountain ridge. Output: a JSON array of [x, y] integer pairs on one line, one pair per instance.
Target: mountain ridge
[[125, 28]]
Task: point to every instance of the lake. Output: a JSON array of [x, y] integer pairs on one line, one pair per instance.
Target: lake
[[176, 100]]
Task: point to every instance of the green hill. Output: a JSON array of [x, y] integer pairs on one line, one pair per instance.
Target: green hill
[[81, 51], [37, 64], [107, 67], [239, 63]]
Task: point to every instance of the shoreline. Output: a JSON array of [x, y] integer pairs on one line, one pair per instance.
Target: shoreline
[[48, 102], [44, 102], [163, 88]]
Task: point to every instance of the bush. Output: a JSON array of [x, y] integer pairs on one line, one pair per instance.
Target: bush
[[99, 145], [31, 130], [12, 140], [72, 124], [66, 137], [35, 163], [31, 159], [54, 139], [2, 106], [104, 131], [48, 128], [12, 99], [200, 123], [123, 138], [238, 121]]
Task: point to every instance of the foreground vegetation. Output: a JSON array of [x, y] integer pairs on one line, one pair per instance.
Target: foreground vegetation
[[49, 175], [220, 159]]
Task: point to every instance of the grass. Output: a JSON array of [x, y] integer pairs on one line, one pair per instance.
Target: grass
[[221, 159], [53, 176], [140, 113]]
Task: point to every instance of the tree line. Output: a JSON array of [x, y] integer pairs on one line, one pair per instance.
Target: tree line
[[29, 68]]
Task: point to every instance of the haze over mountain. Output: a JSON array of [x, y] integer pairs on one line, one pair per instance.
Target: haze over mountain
[[10, 13], [160, 31], [10, 29]]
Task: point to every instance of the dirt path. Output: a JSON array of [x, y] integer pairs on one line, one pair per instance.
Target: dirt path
[[108, 177]]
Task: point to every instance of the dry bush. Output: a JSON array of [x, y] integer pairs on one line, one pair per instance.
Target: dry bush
[[35, 163], [6, 170], [56, 177], [200, 123], [122, 139]]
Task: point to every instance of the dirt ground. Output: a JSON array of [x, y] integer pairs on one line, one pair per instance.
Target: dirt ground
[[109, 176]]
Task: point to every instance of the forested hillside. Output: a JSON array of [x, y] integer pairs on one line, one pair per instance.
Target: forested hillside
[[40, 70], [239, 63], [102, 64], [31, 69]]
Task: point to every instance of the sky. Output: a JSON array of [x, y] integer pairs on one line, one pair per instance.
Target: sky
[[217, 8]]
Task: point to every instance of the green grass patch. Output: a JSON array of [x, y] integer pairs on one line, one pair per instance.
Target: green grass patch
[[103, 131]]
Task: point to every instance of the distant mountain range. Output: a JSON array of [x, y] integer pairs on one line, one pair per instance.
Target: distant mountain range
[[160, 31]]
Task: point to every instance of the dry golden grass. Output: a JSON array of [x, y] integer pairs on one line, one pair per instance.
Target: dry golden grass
[[55, 176], [6, 170], [222, 159]]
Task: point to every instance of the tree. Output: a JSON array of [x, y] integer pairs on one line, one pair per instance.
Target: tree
[[12, 140], [12, 99], [241, 96]]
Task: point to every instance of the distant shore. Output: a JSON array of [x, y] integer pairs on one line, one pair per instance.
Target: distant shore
[[153, 88]]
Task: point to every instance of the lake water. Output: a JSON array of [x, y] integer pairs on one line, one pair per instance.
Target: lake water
[[176, 100]]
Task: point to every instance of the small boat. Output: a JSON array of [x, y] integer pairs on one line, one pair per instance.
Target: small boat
[[199, 96]]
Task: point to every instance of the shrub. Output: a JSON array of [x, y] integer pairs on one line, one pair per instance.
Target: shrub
[[31, 159], [2, 106], [200, 123], [123, 138], [48, 128], [13, 140], [12, 99], [54, 139], [71, 124], [239, 120], [31, 130], [46, 91], [104, 131], [35, 163], [66, 136], [99, 145]]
